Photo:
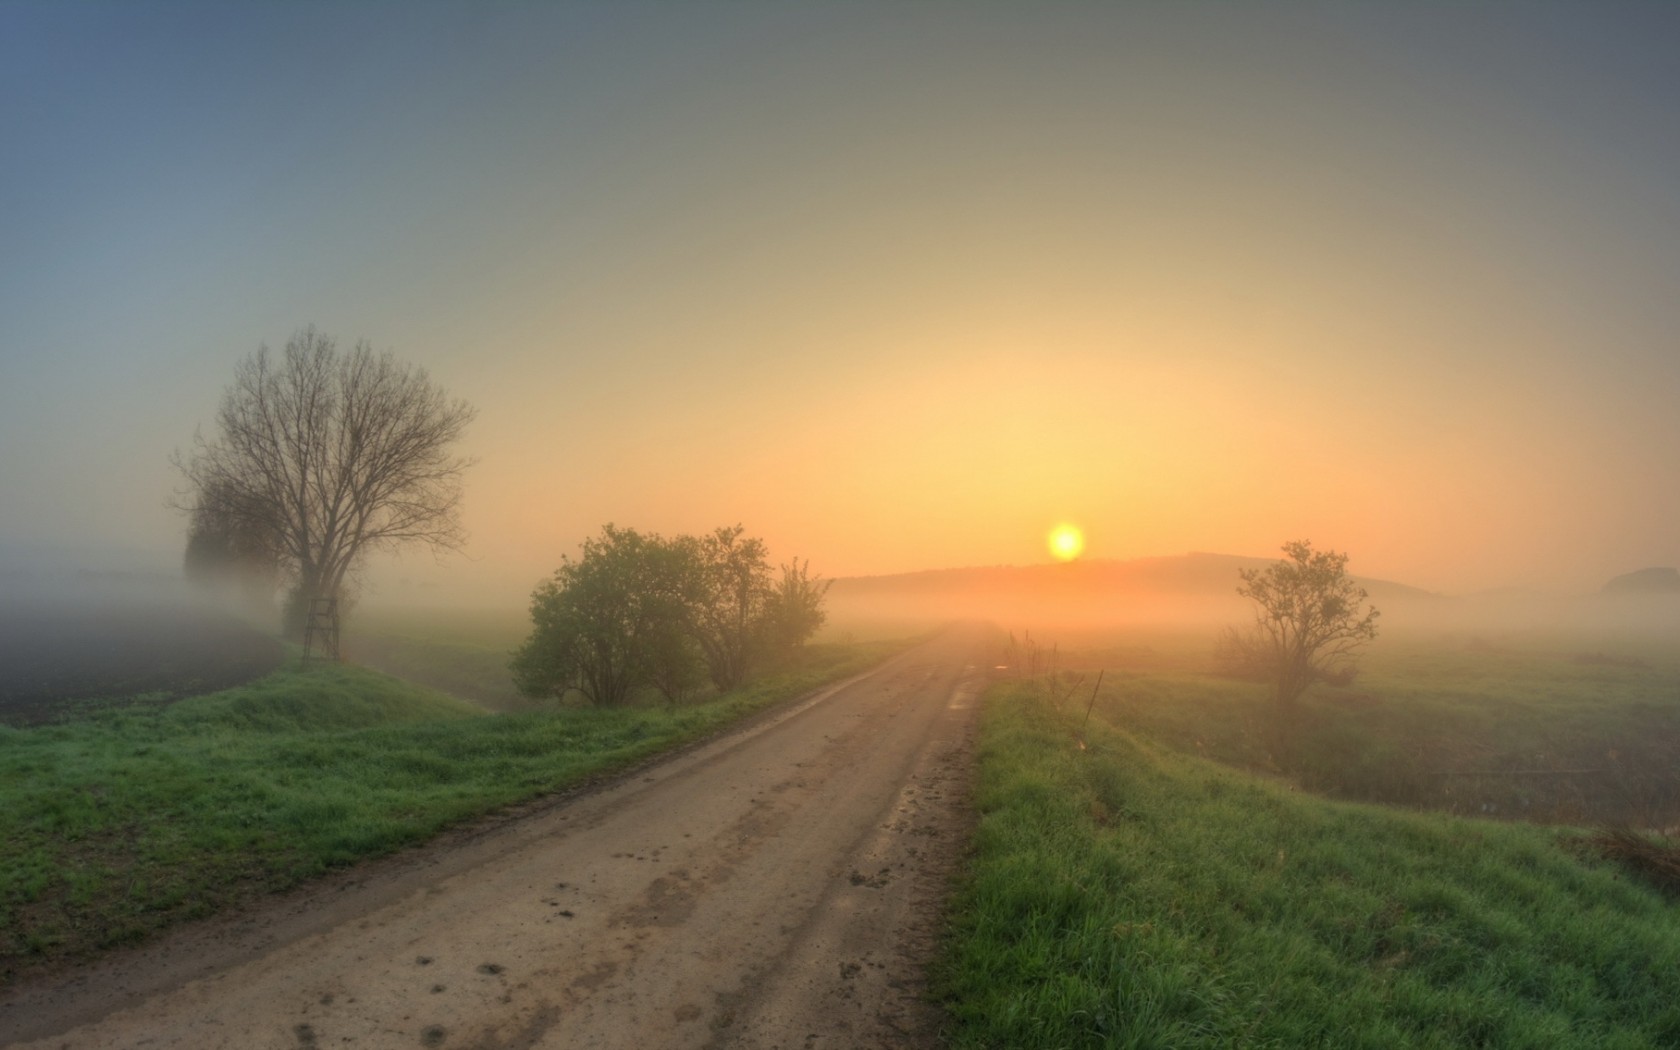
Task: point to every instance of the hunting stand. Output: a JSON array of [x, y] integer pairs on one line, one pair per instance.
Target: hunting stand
[[321, 629]]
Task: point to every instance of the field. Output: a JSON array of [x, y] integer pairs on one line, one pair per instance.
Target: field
[[133, 817], [1556, 729], [1160, 873], [462, 652], [58, 660]]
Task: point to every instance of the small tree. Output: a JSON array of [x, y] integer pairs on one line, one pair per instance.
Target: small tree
[[324, 456], [611, 621], [727, 619], [1308, 623], [793, 610]]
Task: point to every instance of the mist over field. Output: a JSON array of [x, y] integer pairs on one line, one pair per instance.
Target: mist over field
[[973, 314], [1197, 593], [73, 637]]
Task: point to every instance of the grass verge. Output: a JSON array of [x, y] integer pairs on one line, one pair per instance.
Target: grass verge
[[135, 819], [1128, 895]]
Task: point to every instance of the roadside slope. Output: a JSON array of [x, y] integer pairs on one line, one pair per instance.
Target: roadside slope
[[1124, 894]]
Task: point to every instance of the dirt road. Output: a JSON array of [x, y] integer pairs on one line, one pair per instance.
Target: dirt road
[[776, 887]]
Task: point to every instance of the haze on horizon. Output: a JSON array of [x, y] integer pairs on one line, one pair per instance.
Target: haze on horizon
[[897, 287]]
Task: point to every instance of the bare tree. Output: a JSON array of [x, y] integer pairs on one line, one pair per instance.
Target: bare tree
[[1308, 624], [324, 456]]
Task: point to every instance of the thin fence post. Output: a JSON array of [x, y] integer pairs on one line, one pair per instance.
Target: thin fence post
[[1092, 704]]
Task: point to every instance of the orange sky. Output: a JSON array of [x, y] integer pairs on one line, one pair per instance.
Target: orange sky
[[895, 288]]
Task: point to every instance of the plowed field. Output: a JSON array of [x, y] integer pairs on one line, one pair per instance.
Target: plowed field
[[60, 662]]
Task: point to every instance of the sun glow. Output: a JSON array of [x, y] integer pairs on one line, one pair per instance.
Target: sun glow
[[1066, 542]]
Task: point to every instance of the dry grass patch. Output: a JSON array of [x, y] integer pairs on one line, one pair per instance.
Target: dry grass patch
[[1655, 858]]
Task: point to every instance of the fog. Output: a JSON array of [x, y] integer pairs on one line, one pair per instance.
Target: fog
[[74, 632], [66, 578], [1194, 597], [75, 626], [1183, 594]]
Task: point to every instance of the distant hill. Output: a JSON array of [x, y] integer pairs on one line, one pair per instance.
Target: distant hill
[[1187, 585], [1188, 574], [1646, 581]]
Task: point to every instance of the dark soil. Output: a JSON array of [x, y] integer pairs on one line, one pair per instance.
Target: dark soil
[[64, 662]]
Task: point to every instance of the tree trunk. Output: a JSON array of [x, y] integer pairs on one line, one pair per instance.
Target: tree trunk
[[1286, 721]]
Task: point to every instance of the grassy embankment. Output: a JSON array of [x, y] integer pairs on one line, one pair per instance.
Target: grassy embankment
[[1134, 894], [134, 819]]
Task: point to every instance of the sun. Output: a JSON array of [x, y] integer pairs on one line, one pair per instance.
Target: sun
[[1066, 542]]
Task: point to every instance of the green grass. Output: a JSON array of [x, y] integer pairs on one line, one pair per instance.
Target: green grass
[[473, 672], [462, 652], [124, 823], [1130, 895]]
